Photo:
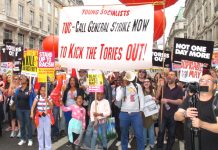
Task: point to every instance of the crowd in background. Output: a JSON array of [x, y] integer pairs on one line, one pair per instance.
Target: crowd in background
[[79, 114]]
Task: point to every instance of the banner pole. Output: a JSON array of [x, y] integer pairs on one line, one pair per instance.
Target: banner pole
[[30, 79], [46, 93], [163, 60]]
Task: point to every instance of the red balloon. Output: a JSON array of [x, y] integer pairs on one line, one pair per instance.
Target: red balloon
[[50, 43], [159, 24], [157, 6]]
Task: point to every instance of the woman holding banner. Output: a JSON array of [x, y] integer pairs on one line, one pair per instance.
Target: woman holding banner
[[148, 122]]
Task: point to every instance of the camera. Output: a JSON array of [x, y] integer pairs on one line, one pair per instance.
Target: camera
[[193, 87]]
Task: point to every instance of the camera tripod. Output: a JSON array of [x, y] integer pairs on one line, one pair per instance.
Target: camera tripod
[[195, 132]]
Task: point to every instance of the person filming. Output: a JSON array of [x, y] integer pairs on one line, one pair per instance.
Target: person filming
[[203, 117]]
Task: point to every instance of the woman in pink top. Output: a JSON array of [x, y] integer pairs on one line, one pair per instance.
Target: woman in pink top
[[78, 121]]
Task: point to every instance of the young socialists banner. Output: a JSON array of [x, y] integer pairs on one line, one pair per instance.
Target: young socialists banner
[[106, 37], [193, 50]]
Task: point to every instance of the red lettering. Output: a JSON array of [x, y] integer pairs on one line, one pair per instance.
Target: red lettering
[[70, 54], [66, 27], [110, 53], [134, 51], [63, 51]]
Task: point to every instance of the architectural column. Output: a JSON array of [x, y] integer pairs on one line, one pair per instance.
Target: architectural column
[[1, 33], [15, 39], [27, 39]]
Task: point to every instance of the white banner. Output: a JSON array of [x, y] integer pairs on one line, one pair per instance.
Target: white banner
[[106, 37], [190, 71], [150, 107]]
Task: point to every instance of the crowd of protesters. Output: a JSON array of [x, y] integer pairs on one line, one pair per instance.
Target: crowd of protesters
[[123, 97]]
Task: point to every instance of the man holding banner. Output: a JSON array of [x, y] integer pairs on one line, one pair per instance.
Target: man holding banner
[[172, 97]]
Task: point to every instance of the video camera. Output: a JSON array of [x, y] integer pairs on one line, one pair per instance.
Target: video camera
[[193, 87]]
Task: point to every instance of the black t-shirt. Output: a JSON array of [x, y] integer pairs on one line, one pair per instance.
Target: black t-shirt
[[209, 140], [174, 94], [23, 99]]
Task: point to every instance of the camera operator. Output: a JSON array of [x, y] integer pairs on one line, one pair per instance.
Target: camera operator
[[202, 117]]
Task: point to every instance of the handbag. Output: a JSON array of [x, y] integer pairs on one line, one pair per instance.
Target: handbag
[[110, 130]]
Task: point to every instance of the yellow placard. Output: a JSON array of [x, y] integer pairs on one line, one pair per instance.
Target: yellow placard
[[30, 63], [95, 81], [43, 73]]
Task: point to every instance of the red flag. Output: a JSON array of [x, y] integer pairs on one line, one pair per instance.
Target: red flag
[[56, 93], [73, 74]]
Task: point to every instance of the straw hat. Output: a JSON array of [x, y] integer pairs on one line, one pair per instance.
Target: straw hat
[[129, 76]]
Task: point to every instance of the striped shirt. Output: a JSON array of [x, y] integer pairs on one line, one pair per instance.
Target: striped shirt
[[41, 104]]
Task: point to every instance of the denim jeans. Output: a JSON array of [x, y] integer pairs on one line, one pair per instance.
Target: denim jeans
[[150, 132], [88, 134], [55, 127], [25, 121], [67, 116], [133, 119], [103, 135], [169, 123]]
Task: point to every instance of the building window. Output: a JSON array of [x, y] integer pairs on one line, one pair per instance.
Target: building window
[[32, 2], [206, 13], [40, 44], [31, 18], [31, 42], [41, 21], [49, 26], [7, 34], [56, 12], [20, 39], [20, 13], [185, 35], [56, 29], [41, 4], [8, 7], [49, 7]]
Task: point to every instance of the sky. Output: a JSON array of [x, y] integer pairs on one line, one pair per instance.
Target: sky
[[170, 12]]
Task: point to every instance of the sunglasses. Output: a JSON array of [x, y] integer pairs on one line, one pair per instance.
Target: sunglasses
[[141, 71]]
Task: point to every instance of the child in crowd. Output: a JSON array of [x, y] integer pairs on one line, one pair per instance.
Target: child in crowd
[[77, 123], [99, 112], [43, 118]]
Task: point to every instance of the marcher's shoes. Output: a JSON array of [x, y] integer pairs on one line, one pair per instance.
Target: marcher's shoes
[[129, 146], [30, 143], [151, 147], [21, 142], [68, 144], [19, 134], [62, 133], [118, 143], [54, 139], [13, 134], [75, 147]]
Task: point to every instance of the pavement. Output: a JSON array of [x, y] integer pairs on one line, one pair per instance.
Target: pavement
[[7, 143]]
